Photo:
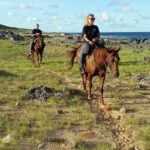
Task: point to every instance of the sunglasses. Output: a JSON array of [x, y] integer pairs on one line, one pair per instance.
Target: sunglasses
[[91, 18]]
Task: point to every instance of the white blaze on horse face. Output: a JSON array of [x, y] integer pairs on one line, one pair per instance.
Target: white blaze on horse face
[[113, 64]]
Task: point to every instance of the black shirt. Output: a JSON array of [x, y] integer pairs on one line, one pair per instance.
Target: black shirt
[[90, 31], [34, 31]]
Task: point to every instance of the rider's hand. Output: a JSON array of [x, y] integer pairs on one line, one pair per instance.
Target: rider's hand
[[91, 42], [94, 40], [37, 33]]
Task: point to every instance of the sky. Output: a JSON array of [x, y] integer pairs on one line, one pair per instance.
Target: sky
[[69, 15]]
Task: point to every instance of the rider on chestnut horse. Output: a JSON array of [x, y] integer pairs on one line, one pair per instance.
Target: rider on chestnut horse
[[35, 33], [90, 34]]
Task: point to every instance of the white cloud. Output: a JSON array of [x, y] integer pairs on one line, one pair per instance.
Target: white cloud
[[81, 15], [121, 5], [29, 19], [119, 19], [105, 17], [55, 17], [124, 7], [54, 5], [69, 23], [25, 6], [113, 3], [144, 17], [10, 13]]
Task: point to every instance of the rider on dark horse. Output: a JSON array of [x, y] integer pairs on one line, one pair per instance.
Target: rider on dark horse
[[35, 33], [91, 35]]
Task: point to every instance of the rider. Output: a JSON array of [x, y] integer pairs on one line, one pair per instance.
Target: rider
[[91, 35], [35, 33]]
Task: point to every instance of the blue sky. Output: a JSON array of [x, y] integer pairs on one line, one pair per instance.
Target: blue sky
[[69, 15]]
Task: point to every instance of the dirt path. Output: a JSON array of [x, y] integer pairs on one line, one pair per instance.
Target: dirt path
[[108, 125], [121, 137]]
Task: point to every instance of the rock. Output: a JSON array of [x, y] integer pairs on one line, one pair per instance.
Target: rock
[[42, 145], [70, 37], [122, 110], [17, 104], [138, 86], [118, 117], [11, 36], [42, 93], [132, 148], [60, 95], [140, 78], [72, 143], [59, 111], [147, 59], [7, 139]]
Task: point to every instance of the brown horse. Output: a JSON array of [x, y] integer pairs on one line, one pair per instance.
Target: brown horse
[[38, 50], [96, 65]]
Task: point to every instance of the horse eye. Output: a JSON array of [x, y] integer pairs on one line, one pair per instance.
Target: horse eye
[[113, 60]]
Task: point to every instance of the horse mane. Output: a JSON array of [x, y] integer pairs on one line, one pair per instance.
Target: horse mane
[[100, 54]]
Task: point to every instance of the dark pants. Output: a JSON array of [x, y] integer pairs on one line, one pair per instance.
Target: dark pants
[[32, 44]]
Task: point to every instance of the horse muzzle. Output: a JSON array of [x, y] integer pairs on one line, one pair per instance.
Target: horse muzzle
[[116, 75]]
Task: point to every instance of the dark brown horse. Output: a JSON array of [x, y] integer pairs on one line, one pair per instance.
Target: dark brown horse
[[38, 50], [96, 65]]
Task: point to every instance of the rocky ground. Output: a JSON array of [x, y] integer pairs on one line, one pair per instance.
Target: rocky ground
[[107, 127], [98, 130], [137, 44]]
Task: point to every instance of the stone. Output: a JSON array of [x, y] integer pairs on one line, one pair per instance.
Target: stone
[[122, 110], [41, 146], [7, 139]]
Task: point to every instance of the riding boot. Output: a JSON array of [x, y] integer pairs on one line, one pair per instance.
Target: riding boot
[[82, 70]]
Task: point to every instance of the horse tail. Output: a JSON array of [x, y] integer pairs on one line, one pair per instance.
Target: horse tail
[[72, 54]]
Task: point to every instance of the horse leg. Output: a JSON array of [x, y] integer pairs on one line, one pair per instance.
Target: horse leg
[[84, 82], [90, 87], [41, 55], [33, 58], [36, 59], [101, 83]]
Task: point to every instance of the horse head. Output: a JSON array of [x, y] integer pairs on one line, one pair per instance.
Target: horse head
[[39, 41], [113, 61]]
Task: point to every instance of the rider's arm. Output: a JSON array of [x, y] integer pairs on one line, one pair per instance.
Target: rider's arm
[[87, 40], [34, 33], [98, 35], [96, 38]]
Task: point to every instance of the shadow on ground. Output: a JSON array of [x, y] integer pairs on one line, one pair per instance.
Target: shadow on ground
[[4, 73]]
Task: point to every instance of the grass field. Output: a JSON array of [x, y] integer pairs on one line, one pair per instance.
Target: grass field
[[29, 123]]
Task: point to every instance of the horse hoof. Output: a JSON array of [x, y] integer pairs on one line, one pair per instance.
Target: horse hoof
[[89, 97], [84, 90], [101, 106], [105, 107]]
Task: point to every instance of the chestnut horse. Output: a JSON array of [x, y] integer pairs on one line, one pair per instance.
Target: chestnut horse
[[96, 65], [38, 50]]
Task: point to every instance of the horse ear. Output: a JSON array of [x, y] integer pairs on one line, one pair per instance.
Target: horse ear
[[118, 49]]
